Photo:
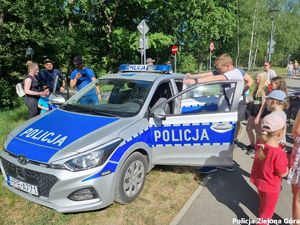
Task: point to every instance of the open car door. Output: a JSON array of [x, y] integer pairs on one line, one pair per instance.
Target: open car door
[[200, 131]]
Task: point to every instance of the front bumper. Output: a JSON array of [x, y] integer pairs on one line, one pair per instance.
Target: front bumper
[[55, 185]]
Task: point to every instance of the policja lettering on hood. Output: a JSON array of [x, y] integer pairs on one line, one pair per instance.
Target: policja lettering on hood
[[44, 136]]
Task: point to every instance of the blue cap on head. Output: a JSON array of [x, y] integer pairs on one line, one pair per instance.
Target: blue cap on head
[[278, 95]]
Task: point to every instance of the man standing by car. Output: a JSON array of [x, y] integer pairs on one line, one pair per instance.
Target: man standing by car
[[225, 71], [81, 76], [50, 77]]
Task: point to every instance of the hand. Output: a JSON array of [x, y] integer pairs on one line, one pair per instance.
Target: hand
[[189, 75], [189, 81], [61, 89], [78, 75]]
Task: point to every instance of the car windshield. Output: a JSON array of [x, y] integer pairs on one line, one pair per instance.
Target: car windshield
[[118, 97]]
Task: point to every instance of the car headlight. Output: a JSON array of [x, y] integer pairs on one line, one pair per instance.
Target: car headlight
[[92, 159]]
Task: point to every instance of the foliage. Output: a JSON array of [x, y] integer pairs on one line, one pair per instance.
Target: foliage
[[105, 32]]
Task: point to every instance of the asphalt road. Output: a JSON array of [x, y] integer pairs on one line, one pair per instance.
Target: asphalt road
[[229, 197]]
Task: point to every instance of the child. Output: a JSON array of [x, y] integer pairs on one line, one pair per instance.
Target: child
[[260, 91], [269, 166], [290, 69], [276, 102], [278, 83], [43, 104]]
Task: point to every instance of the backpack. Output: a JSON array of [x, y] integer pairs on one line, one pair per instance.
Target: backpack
[[19, 89]]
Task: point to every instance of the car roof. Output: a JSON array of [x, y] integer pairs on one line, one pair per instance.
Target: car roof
[[146, 76]]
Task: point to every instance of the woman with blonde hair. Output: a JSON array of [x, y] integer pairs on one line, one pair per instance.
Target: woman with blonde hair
[[32, 90], [260, 91]]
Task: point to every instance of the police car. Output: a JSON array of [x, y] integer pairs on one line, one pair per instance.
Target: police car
[[95, 150]]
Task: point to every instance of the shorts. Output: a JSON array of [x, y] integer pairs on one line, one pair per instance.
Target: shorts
[[254, 109]]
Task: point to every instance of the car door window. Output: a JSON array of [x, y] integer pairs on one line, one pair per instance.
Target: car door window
[[206, 98], [162, 93]]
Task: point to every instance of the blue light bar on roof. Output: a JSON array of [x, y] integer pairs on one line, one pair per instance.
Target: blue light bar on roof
[[148, 68]]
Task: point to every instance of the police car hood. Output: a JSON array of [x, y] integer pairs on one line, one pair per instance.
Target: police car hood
[[61, 134]]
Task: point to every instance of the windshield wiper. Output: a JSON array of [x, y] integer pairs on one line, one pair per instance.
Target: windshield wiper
[[77, 108]]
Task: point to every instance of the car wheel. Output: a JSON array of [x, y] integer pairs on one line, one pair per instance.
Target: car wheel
[[131, 178]]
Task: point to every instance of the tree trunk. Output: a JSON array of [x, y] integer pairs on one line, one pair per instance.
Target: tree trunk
[[110, 19], [237, 60], [70, 23], [252, 37]]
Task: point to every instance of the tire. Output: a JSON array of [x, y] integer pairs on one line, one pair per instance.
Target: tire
[[131, 178]]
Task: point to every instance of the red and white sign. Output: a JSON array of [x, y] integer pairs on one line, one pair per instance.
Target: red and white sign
[[174, 49], [211, 46]]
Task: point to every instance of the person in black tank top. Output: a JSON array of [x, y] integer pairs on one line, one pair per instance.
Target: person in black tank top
[[260, 90], [32, 90]]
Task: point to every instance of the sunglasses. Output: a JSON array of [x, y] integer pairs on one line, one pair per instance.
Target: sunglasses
[[265, 65]]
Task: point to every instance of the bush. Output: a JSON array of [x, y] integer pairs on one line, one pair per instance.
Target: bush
[[8, 96]]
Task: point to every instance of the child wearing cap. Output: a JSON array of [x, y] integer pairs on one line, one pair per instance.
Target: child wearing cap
[[269, 166], [276, 102]]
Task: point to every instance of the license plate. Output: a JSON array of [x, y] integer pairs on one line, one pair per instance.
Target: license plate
[[18, 184]]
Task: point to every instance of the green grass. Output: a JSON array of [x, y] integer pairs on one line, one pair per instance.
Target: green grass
[[9, 119], [165, 192]]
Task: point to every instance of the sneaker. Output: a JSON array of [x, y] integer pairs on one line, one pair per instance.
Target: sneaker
[[207, 169], [228, 168]]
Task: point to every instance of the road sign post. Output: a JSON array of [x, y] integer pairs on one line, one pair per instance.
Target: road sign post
[[211, 48], [174, 50], [143, 29]]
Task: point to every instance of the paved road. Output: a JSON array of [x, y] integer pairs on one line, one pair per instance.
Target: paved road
[[226, 197]]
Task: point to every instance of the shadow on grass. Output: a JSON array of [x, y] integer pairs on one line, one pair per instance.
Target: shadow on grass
[[177, 169]]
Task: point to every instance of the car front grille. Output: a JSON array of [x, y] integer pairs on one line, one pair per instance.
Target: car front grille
[[43, 181]]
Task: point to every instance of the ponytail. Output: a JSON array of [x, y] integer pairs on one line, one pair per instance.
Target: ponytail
[[263, 139]]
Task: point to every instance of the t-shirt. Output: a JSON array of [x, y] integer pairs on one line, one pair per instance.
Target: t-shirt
[[265, 174], [43, 101], [235, 74], [85, 79], [270, 74]]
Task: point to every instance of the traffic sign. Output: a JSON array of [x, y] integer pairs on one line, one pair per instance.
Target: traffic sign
[[142, 44], [174, 49], [143, 27], [211, 46]]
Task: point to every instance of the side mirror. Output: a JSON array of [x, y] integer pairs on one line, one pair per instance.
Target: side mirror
[[56, 99], [159, 113]]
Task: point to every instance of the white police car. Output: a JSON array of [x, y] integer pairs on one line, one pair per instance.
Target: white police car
[[95, 150]]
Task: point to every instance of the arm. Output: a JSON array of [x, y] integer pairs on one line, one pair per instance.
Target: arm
[[97, 90], [44, 108], [296, 126], [27, 85], [197, 75], [73, 82]]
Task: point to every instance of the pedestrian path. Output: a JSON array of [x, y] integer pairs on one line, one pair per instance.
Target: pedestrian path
[[229, 197]]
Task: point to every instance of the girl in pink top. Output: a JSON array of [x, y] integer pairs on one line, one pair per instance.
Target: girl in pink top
[[269, 166]]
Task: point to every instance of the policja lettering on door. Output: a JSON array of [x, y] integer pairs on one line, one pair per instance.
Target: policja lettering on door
[[192, 134]]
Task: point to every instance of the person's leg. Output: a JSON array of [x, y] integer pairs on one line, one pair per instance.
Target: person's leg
[[249, 129], [267, 205], [296, 202]]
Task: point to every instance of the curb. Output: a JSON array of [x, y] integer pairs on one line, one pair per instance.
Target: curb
[[187, 205]]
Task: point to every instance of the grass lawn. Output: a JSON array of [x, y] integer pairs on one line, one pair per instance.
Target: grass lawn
[[165, 192]]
